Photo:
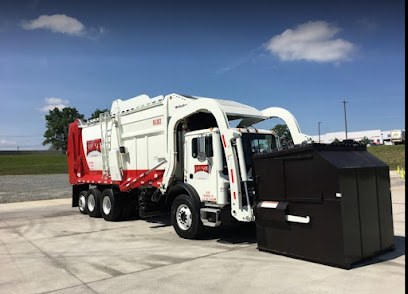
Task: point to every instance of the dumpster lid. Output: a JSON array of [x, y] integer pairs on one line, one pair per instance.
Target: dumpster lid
[[341, 156]]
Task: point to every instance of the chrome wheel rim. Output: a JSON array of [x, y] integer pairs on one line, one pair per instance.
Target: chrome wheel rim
[[91, 202], [184, 217], [106, 205], [82, 203]]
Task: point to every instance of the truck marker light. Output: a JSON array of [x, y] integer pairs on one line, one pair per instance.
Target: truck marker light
[[232, 176], [223, 141], [235, 196]]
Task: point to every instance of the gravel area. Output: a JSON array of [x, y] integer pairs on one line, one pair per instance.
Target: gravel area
[[34, 187], [43, 187]]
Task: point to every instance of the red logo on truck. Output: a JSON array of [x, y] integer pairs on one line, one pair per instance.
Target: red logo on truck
[[201, 167], [93, 145], [157, 122]]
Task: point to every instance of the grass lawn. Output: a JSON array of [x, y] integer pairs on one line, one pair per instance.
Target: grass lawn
[[33, 164], [57, 164], [392, 155]]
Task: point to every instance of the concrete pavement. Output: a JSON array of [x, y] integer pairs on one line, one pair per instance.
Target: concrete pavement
[[49, 247]]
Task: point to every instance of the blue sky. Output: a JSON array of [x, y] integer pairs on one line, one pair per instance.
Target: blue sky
[[305, 56]]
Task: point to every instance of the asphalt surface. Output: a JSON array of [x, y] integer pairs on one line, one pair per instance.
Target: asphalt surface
[[49, 247]]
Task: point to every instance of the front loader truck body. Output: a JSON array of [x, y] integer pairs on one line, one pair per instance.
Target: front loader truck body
[[176, 154]]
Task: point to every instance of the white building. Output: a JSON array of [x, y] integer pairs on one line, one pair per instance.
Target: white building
[[376, 136]]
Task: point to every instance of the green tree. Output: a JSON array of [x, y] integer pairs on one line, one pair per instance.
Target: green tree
[[97, 112], [336, 140], [365, 141], [57, 127], [283, 133]]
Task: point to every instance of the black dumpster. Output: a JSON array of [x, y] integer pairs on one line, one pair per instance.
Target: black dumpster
[[324, 203]]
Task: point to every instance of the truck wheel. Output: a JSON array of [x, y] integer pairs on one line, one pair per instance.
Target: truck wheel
[[93, 203], [185, 218], [82, 202], [111, 207]]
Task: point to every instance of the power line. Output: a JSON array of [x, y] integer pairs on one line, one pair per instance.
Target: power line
[[345, 116]]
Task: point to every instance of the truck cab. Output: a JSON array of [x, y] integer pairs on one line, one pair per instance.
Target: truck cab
[[206, 169]]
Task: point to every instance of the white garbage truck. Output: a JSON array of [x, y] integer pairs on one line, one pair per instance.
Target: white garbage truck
[[175, 153]]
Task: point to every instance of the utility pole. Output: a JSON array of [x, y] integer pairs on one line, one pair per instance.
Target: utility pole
[[345, 116], [318, 124]]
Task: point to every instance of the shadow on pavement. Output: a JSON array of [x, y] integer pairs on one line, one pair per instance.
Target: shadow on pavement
[[386, 256]]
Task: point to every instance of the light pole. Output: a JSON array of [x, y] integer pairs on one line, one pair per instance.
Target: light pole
[[345, 116], [318, 124]]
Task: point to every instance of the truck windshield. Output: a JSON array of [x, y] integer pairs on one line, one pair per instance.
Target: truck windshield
[[256, 144]]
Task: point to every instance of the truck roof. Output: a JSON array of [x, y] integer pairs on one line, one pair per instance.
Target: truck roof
[[233, 110]]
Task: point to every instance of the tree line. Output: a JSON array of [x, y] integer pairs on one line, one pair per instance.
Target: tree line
[[57, 124]]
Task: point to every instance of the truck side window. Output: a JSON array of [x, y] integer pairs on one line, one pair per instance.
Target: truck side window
[[202, 147], [194, 147]]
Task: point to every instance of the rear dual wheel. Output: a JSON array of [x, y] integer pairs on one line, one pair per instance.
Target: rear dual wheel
[[111, 205], [82, 202], [93, 203]]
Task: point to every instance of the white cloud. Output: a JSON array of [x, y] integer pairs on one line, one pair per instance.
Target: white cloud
[[57, 23], [311, 41], [7, 142], [52, 102]]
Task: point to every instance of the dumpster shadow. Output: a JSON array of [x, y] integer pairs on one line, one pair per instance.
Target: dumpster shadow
[[244, 233], [386, 256]]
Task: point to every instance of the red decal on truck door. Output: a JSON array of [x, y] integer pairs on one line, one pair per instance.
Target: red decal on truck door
[[201, 167]]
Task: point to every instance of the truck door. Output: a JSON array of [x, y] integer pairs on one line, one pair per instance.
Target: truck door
[[199, 169]]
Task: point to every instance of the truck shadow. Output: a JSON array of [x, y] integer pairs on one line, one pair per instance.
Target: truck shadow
[[398, 251], [240, 233], [159, 221]]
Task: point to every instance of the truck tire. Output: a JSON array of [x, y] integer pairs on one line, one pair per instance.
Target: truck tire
[[93, 203], [185, 217], [111, 207], [82, 198]]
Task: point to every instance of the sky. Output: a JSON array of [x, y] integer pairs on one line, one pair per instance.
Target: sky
[[304, 56]]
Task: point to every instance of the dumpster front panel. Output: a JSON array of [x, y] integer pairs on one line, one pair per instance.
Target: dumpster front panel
[[337, 204], [385, 208]]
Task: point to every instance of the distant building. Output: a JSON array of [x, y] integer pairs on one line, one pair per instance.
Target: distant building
[[375, 136]]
